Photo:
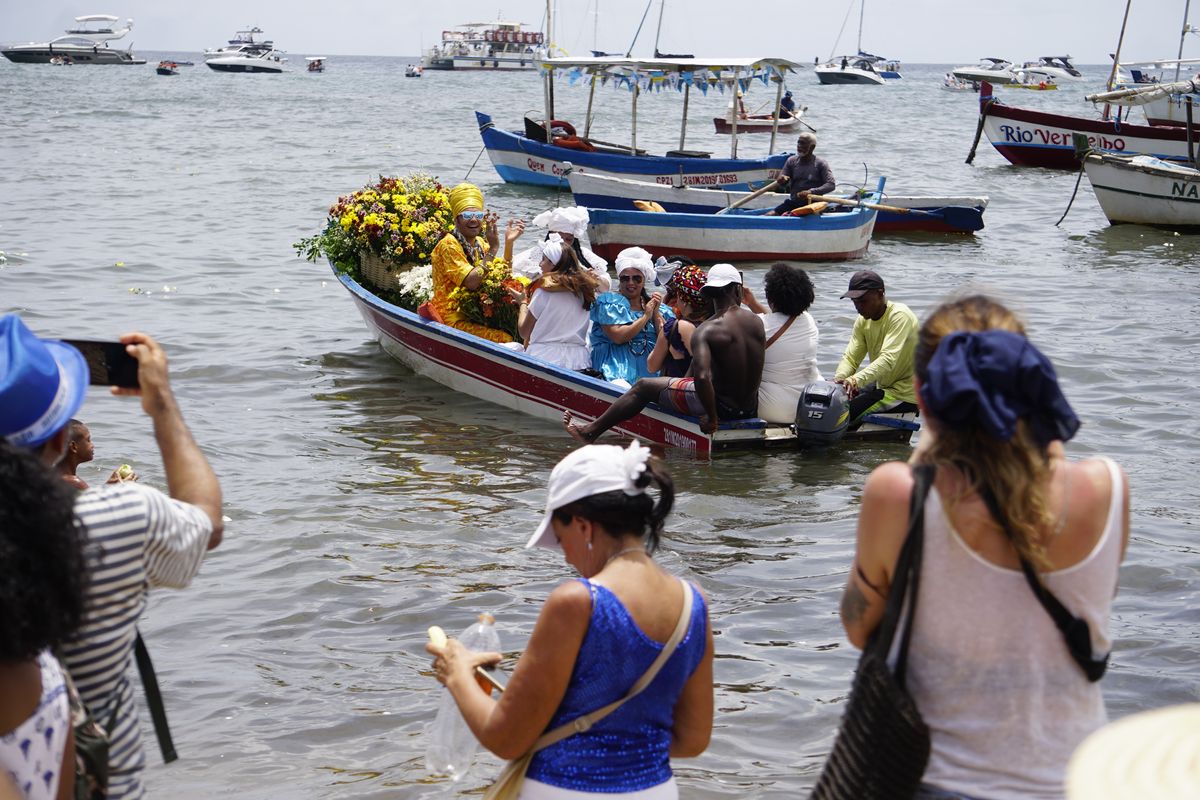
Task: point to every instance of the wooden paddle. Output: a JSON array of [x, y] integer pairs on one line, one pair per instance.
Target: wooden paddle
[[963, 218], [750, 196]]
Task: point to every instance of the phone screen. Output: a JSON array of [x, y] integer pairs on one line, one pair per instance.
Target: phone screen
[[108, 363]]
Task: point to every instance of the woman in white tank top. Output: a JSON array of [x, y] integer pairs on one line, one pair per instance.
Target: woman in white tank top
[[1005, 701]]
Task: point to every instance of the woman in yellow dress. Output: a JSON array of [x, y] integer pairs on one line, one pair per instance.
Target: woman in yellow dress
[[459, 258]]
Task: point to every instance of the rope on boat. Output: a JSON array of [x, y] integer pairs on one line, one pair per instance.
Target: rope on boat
[[476, 161], [1078, 179], [983, 112]]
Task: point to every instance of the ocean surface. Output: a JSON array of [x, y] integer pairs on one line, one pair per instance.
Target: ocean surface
[[366, 503]]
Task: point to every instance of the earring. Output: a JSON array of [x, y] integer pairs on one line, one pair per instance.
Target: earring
[[589, 547]]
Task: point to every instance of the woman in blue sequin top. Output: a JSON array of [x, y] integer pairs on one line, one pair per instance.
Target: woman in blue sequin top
[[595, 637]]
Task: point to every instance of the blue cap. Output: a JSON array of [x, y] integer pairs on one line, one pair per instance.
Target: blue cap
[[42, 384]]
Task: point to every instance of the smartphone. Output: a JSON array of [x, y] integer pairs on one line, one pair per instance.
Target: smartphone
[[490, 678], [108, 363]]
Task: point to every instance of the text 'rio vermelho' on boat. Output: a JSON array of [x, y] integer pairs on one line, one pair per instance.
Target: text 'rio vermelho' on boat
[[549, 148]]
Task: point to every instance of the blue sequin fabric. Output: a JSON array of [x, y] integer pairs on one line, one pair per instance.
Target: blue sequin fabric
[[627, 750]]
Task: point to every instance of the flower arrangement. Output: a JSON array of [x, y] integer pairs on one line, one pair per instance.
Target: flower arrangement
[[414, 287], [397, 221], [492, 304]]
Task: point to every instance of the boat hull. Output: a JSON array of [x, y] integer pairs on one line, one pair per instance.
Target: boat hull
[[245, 65], [481, 369], [756, 124], [476, 64], [166, 71], [835, 75], [1039, 139], [519, 159], [1143, 194], [42, 54], [600, 191]]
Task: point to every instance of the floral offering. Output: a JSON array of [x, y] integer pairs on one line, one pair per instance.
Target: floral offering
[[414, 287], [396, 220], [492, 304]]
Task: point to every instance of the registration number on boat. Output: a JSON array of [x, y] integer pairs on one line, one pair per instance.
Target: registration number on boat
[[723, 179]]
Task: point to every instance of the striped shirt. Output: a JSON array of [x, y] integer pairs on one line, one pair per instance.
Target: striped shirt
[[137, 537]]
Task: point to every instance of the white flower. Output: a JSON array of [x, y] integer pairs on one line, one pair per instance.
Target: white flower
[[633, 464]]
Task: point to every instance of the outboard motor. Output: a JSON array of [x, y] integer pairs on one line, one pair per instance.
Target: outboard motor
[[822, 414]]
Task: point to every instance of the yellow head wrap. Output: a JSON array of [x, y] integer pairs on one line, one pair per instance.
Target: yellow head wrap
[[464, 196]]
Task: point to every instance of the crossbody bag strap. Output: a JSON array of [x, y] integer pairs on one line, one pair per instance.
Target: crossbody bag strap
[[154, 700], [1074, 630], [583, 723], [782, 329]]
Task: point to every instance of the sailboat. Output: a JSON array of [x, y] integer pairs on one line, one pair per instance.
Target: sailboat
[[862, 68]]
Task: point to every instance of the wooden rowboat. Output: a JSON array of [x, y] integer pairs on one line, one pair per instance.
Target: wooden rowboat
[[1145, 191], [488, 371], [757, 123]]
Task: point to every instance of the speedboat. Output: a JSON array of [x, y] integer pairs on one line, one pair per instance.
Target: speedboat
[[1056, 68], [863, 69], [246, 53], [85, 43], [316, 63], [992, 70], [167, 68]]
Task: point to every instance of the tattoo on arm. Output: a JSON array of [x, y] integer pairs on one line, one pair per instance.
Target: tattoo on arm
[[854, 604]]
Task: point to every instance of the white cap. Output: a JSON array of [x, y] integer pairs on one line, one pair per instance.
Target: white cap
[[1154, 755], [722, 275], [571, 219], [639, 259], [592, 469]]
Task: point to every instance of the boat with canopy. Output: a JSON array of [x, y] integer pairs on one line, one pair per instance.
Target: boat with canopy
[[542, 154], [85, 43]]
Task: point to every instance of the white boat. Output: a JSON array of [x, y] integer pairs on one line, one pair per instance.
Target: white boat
[[1163, 106], [1144, 190], [1056, 68], [496, 45], [85, 43], [242, 42], [759, 123], [316, 63], [863, 68], [414, 71], [992, 70]]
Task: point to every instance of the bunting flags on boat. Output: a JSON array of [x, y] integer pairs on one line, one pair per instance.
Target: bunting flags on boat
[[654, 80]]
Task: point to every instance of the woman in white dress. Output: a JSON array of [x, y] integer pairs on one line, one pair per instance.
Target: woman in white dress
[[554, 320], [570, 225]]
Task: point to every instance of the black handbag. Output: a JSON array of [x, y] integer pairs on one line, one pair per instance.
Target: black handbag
[[882, 745]]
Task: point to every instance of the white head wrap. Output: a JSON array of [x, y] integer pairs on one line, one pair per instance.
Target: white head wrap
[[552, 248], [571, 219], [639, 259], [592, 469]]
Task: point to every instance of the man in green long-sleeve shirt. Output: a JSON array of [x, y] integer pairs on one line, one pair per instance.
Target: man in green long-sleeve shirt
[[886, 332]]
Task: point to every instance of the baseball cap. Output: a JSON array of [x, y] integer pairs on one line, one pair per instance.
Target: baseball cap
[[862, 282], [592, 469], [42, 384], [722, 275]]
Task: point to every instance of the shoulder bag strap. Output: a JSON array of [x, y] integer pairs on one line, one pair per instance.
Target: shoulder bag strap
[[907, 571], [780, 332], [581, 724], [154, 701], [1075, 630]]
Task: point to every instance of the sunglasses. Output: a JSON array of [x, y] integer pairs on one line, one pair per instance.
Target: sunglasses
[[470, 216], [630, 279]]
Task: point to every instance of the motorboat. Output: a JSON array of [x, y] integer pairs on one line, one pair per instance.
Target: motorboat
[[414, 71], [247, 53], [316, 63], [496, 45], [167, 68], [1145, 190], [85, 43], [861, 69], [1057, 68], [993, 70]]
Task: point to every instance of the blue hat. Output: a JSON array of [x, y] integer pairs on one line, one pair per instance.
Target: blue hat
[[42, 384]]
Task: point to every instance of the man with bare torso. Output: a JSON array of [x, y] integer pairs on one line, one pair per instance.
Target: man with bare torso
[[727, 362]]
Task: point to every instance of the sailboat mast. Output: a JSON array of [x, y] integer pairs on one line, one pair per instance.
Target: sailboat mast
[[661, 5], [862, 10], [1183, 35]]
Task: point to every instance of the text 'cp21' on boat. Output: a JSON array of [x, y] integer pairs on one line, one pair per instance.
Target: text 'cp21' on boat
[[473, 366], [823, 235], [898, 213], [84, 43], [1029, 138], [539, 155]]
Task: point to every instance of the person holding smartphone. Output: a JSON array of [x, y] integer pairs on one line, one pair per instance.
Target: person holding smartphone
[[624, 623], [136, 536]]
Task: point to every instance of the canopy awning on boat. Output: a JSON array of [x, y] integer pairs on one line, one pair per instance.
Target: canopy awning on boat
[[594, 65], [1140, 95], [97, 18]]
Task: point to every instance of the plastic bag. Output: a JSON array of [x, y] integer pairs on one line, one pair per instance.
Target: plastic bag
[[452, 746]]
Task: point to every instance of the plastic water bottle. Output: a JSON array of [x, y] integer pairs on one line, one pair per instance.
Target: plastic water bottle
[[452, 746]]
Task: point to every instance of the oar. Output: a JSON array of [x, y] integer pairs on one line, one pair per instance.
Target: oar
[[962, 218], [750, 196]]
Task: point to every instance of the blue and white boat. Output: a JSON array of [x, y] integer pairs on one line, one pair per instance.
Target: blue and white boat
[[546, 150], [838, 234]]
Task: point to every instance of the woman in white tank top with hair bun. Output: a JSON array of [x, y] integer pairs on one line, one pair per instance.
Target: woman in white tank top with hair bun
[[1004, 698]]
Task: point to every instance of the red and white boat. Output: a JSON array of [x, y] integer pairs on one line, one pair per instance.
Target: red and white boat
[[488, 371], [1031, 138]]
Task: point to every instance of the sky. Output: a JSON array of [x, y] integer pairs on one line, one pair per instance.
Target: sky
[[914, 31]]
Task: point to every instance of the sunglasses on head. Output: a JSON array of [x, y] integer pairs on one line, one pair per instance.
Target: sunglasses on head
[[630, 278], [471, 215]]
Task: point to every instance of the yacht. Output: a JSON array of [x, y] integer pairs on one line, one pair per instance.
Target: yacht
[[85, 43], [861, 69], [246, 53], [487, 46], [992, 70], [1056, 68]]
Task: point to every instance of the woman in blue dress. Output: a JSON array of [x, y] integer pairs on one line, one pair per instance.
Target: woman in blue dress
[[595, 638], [626, 323]]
